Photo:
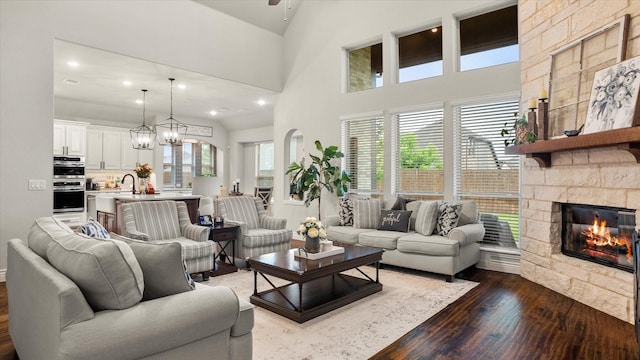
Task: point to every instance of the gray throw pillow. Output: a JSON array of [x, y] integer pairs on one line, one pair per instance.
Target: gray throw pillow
[[401, 203], [162, 266], [394, 220], [448, 216], [105, 270], [427, 217], [366, 213]]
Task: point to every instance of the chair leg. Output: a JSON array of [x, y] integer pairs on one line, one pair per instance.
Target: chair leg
[[205, 275], [448, 278]]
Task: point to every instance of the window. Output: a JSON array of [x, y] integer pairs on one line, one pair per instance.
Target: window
[[418, 161], [420, 55], [264, 169], [365, 68], [489, 39], [182, 163], [363, 142], [483, 172]]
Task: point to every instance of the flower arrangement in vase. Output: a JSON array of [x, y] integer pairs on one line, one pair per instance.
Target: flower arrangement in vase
[[143, 171], [313, 231]]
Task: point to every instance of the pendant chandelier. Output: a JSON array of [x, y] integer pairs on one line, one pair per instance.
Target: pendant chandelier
[[143, 137], [171, 131]]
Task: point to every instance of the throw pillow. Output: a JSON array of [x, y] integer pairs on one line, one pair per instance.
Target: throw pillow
[[162, 267], [366, 213], [105, 270], [401, 203], [448, 216], [394, 220], [427, 218], [468, 212], [94, 229], [345, 212]]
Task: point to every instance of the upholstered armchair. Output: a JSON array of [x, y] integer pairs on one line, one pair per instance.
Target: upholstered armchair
[[259, 232], [168, 221]]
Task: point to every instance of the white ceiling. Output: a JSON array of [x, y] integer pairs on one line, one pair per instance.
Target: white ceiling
[[98, 92]]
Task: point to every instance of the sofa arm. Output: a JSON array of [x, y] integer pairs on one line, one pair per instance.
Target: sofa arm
[[272, 222], [467, 234], [331, 220], [153, 326], [243, 225], [195, 232], [138, 235]]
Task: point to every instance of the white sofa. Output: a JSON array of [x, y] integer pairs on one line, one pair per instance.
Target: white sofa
[[425, 250], [52, 316]]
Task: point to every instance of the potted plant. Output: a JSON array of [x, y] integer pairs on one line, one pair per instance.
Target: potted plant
[[308, 182]]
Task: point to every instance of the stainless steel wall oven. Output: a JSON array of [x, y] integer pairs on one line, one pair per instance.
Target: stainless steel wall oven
[[68, 184]]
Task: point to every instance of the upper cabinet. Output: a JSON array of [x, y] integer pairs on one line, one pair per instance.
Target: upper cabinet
[[103, 149], [69, 138]]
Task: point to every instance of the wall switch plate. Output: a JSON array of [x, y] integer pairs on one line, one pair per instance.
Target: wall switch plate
[[37, 185]]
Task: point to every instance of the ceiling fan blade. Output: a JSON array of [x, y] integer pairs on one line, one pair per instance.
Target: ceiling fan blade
[[274, 2]]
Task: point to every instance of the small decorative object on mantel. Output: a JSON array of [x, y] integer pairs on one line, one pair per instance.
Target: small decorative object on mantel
[[543, 115], [520, 132], [614, 97], [313, 231], [531, 117]]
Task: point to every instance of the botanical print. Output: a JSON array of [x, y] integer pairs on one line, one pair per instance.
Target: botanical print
[[613, 97]]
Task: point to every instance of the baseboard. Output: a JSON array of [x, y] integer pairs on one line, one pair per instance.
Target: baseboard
[[3, 275], [500, 259]]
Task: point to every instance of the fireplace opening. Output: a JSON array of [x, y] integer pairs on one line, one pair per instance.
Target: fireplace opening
[[599, 234]]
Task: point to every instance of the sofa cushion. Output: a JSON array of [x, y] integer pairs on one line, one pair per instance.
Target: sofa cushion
[[394, 220], [468, 213], [380, 239], [401, 203], [434, 245], [345, 212], [448, 216], [413, 206], [366, 213], [94, 229], [427, 217], [106, 271], [43, 231], [344, 234], [162, 267]]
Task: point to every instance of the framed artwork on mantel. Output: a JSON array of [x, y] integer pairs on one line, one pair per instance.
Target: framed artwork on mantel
[[614, 96]]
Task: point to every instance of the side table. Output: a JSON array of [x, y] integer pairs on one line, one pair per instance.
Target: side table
[[224, 236]]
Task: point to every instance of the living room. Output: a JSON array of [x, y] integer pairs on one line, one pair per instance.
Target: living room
[[306, 67]]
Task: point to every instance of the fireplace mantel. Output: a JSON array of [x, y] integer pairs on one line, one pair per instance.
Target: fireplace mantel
[[625, 139]]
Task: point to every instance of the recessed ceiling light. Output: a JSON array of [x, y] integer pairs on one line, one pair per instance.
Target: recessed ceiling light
[[70, 82], [212, 112], [126, 83], [182, 86], [72, 64], [434, 30], [261, 102], [139, 101]]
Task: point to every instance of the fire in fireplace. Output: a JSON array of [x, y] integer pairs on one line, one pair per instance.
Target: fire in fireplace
[[599, 234]]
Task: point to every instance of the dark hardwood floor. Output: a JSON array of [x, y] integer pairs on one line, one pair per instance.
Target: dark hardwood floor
[[505, 317]]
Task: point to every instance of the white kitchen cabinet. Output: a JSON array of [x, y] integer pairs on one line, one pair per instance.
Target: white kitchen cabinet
[[69, 138], [104, 148], [132, 157]]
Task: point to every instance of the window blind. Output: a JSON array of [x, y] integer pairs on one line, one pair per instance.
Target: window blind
[[482, 170], [363, 145], [418, 154]]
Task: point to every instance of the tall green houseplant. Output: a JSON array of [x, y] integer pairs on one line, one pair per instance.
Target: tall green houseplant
[[307, 182]]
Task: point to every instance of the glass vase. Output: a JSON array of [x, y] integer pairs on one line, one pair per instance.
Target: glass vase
[[312, 245], [142, 185]]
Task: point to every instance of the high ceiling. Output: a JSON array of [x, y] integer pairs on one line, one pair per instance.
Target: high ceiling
[[95, 90]]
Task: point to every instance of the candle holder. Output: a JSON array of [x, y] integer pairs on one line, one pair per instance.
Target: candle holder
[[543, 119], [531, 120]]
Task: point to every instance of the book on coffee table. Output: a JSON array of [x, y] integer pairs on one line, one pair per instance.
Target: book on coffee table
[[335, 250]]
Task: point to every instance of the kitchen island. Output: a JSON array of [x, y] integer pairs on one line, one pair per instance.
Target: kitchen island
[[110, 216]]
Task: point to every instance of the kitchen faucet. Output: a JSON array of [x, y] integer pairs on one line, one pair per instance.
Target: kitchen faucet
[[133, 180]]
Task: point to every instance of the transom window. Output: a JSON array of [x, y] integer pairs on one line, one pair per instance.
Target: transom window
[[420, 55], [365, 68]]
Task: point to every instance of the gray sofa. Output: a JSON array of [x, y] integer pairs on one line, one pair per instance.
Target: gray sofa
[[52, 316], [421, 250]]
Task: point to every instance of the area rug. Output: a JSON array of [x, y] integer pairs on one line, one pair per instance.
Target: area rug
[[356, 331]]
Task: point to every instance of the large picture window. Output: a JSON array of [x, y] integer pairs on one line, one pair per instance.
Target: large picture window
[[489, 39], [363, 144], [418, 150], [182, 163], [264, 168], [482, 170]]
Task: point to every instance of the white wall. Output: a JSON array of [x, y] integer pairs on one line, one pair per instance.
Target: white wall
[[313, 101], [181, 34]]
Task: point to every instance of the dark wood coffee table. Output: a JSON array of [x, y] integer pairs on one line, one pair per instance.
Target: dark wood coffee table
[[316, 286]]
